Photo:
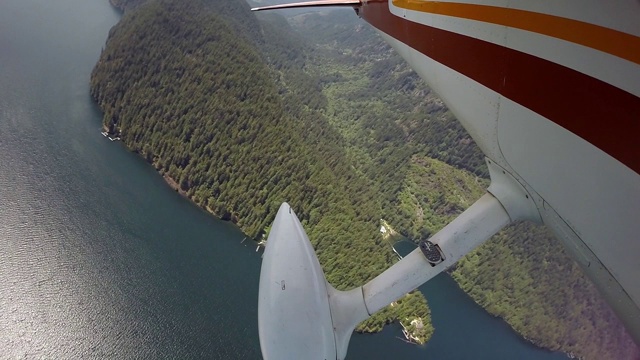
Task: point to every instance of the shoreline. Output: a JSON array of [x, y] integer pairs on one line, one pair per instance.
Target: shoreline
[[120, 5], [175, 186], [532, 342]]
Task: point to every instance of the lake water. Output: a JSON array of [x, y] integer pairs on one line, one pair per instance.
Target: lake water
[[463, 330], [100, 259]]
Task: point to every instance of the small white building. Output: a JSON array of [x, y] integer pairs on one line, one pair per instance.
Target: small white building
[[417, 323]]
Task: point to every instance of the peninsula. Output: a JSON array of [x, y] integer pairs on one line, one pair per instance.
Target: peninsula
[[241, 114]]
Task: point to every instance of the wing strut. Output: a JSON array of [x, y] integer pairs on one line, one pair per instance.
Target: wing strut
[[300, 315]]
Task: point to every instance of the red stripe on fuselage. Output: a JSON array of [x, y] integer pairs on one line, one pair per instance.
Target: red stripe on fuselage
[[600, 113]]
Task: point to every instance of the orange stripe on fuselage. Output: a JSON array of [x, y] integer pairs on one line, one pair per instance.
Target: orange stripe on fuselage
[[610, 41]]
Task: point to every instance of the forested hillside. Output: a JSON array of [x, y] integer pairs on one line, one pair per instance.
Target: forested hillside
[[395, 129], [241, 114], [236, 124]]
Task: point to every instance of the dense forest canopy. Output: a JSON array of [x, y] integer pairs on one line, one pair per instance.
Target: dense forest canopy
[[241, 114], [196, 98]]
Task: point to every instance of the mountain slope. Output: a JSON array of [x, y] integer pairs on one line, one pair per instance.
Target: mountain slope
[[239, 130]]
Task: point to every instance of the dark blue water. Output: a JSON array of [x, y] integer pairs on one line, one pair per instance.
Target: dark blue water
[[100, 259], [463, 329]]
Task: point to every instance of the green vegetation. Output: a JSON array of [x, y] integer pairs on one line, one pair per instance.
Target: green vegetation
[[427, 171], [384, 112], [243, 115], [522, 274], [236, 123], [543, 295]]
